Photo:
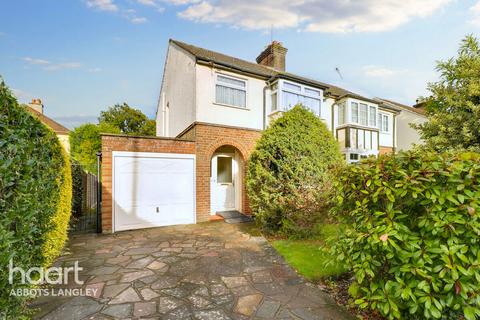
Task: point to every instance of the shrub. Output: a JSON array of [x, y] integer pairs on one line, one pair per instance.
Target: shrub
[[287, 176], [412, 236], [77, 188], [35, 196]]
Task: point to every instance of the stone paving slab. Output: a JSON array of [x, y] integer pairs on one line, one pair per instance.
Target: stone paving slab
[[204, 271]]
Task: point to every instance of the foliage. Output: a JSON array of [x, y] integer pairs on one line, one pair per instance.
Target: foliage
[[35, 196], [309, 257], [453, 109], [128, 120], [77, 188], [85, 142], [287, 178], [412, 235]]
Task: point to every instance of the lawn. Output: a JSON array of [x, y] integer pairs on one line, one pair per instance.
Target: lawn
[[308, 257]]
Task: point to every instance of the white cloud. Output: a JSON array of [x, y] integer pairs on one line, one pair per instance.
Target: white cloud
[[373, 71], [102, 5], [36, 61], [51, 66], [138, 20], [475, 11], [94, 70], [328, 16], [64, 65], [150, 3]]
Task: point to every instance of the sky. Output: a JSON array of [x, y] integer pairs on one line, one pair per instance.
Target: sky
[[82, 56]]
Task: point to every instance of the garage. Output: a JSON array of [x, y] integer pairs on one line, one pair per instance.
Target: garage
[[152, 189]]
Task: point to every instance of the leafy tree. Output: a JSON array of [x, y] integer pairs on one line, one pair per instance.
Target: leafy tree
[[85, 142], [288, 173], [453, 109], [128, 120]]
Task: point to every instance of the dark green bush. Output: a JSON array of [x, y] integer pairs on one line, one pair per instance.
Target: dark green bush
[[77, 188], [35, 196], [286, 171], [413, 234]]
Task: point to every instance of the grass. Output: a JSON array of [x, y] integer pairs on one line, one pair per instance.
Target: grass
[[308, 256]]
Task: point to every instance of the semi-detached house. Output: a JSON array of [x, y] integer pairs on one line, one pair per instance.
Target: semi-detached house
[[211, 110]]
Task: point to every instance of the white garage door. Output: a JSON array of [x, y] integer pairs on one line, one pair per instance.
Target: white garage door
[[152, 189]]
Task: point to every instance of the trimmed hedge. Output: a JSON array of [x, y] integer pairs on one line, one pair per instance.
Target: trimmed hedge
[[35, 196], [288, 167], [413, 234]]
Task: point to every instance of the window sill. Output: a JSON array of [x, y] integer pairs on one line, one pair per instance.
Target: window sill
[[230, 106]]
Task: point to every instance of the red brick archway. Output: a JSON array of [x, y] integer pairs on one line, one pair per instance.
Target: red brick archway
[[209, 138]]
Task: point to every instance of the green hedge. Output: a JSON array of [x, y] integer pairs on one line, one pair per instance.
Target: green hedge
[[413, 234], [288, 167], [35, 196]]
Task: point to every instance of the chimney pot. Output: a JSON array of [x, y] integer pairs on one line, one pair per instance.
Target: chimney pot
[[273, 56], [36, 105]]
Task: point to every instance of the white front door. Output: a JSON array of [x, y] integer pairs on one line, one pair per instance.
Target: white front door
[[223, 174]]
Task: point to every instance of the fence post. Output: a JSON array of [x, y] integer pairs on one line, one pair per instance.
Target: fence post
[[99, 193]]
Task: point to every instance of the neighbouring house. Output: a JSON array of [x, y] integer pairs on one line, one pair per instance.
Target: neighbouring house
[[406, 135], [211, 111], [36, 108]]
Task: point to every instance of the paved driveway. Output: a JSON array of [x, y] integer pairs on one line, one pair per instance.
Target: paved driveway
[[203, 271]]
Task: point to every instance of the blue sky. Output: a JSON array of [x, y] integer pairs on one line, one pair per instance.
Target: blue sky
[[81, 56]]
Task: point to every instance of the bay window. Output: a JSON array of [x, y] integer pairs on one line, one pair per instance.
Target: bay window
[[231, 91], [354, 112], [363, 114], [293, 94], [372, 119], [341, 114]]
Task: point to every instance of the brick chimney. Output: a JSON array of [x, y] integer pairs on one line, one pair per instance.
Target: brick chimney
[[273, 56], [36, 105]]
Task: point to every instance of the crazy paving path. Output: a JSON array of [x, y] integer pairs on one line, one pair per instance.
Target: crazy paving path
[[204, 271]]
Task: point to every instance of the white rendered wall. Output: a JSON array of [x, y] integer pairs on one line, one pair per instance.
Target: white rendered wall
[[178, 91], [406, 135]]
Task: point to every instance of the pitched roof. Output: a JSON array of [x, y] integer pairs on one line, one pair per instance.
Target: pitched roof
[[55, 126], [419, 111], [261, 70]]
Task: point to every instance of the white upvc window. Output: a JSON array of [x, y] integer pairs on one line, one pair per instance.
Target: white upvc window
[[354, 113], [384, 122], [293, 94], [372, 116], [363, 114], [341, 114], [230, 91]]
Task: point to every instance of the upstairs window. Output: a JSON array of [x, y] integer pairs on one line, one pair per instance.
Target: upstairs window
[[341, 114], [354, 112], [372, 118], [363, 114], [231, 91], [384, 122], [293, 94]]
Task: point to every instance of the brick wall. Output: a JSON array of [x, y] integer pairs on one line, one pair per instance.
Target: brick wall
[[384, 150], [133, 144], [209, 138]]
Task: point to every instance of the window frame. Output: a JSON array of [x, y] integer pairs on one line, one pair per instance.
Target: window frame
[[231, 86], [354, 117], [282, 87], [381, 127]]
